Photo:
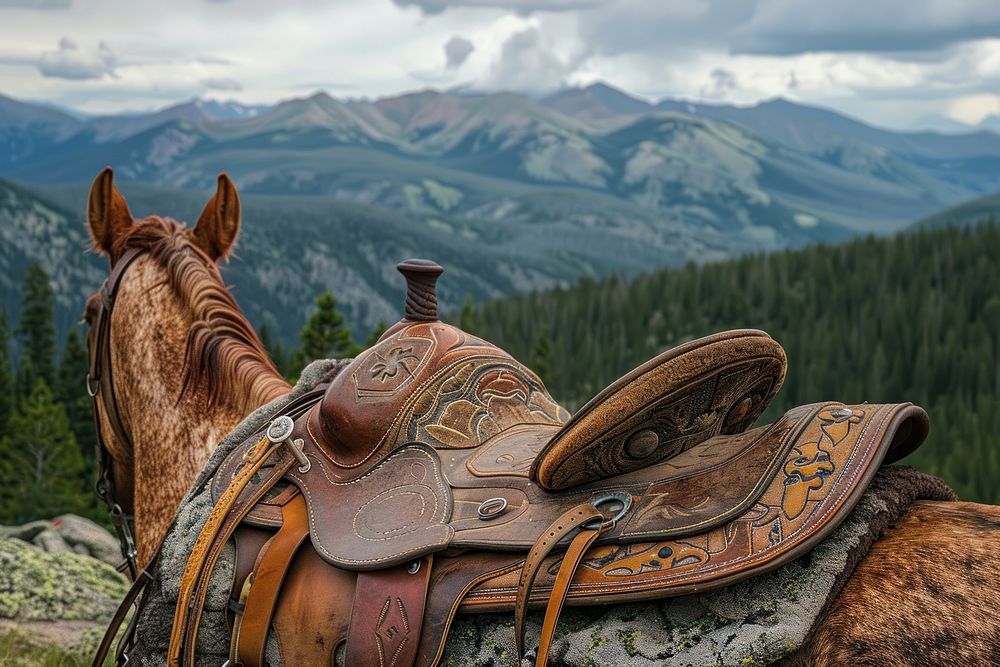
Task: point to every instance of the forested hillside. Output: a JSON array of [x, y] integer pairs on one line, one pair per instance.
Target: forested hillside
[[910, 318]]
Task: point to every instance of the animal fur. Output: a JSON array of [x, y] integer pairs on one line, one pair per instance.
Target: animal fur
[[928, 593]]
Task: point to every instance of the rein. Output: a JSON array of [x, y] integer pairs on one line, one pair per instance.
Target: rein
[[100, 387]]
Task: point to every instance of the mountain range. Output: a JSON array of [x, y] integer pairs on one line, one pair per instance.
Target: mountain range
[[517, 193]]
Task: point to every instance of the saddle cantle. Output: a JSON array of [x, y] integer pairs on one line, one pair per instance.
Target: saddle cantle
[[437, 475]]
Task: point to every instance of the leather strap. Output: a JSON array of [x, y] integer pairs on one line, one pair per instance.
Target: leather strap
[[267, 578], [571, 561], [101, 389], [387, 615], [99, 370], [134, 591], [571, 520], [221, 522], [237, 514], [234, 640]]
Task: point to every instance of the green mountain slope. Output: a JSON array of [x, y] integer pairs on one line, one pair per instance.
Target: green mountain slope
[[770, 176], [973, 212], [293, 247], [915, 317]]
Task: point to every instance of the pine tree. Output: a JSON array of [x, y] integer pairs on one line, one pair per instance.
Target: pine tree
[[37, 330], [42, 467], [375, 334], [275, 349], [71, 391], [541, 356], [466, 322], [6, 375], [324, 335]]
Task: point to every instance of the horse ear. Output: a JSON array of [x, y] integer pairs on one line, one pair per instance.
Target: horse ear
[[219, 223], [108, 217]]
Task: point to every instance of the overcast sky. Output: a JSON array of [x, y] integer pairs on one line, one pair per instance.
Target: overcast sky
[[891, 62]]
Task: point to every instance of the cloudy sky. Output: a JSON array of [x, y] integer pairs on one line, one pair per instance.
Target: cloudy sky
[[896, 63]]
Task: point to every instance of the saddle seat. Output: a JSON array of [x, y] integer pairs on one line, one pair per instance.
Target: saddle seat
[[436, 475]]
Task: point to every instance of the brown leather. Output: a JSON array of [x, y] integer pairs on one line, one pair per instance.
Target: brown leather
[[387, 614], [248, 541], [314, 610], [99, 370], [222, 520], [573, 520], [114, 482], [412, 502], [564, 578], [268, 576]]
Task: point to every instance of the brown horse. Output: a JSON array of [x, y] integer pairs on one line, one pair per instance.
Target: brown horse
[[925, 594], [185, 366]]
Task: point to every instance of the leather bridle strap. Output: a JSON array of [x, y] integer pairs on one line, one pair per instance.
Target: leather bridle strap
[[99, 380], [100, 385]]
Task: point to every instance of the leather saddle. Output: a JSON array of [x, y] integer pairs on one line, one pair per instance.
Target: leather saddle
[[435, 475]]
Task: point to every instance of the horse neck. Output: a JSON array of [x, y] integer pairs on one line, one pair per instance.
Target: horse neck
[[173, 432]]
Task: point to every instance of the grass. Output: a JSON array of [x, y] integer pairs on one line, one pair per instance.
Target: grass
[[17, 650]]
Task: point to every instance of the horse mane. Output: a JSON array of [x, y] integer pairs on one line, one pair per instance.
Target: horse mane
[[223, 352]]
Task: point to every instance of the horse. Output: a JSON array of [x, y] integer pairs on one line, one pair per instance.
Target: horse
[[924, 594], [181, 365]]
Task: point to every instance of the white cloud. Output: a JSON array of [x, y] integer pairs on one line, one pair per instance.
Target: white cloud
[[69, 61], [734, 51], [520, 6], [221, 83], [527, 64], [971, 109], [36, 4]]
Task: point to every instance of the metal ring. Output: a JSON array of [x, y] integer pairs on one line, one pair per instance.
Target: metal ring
[[624, 498], [93, 386], [491, 508], [413, 567]]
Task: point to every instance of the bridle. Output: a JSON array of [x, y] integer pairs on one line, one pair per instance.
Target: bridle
[[100, 387]]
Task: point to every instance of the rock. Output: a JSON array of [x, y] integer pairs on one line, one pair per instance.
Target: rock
[[85, 536], [50, 541], [40, 586], [68, 532], [26, 532]]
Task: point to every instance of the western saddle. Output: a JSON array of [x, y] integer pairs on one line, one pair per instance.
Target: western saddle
[[436, 475]]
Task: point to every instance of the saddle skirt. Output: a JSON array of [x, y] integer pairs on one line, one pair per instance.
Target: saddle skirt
[[436, 475]]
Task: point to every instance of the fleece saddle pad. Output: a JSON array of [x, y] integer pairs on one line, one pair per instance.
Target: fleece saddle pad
[[434, 475]]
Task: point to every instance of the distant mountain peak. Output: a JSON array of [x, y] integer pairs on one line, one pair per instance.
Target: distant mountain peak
[[597, 101]]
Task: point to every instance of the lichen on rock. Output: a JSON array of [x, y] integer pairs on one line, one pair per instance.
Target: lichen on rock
[[35, 585]]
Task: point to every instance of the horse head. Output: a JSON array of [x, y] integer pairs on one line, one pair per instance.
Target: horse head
[[174, 363]]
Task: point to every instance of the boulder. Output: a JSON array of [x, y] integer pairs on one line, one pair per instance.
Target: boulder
[[84, 536], [40, 586]]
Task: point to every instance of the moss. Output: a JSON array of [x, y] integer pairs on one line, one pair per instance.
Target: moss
[[597, 640], [628, 641], [791, 590], [35, 585]]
